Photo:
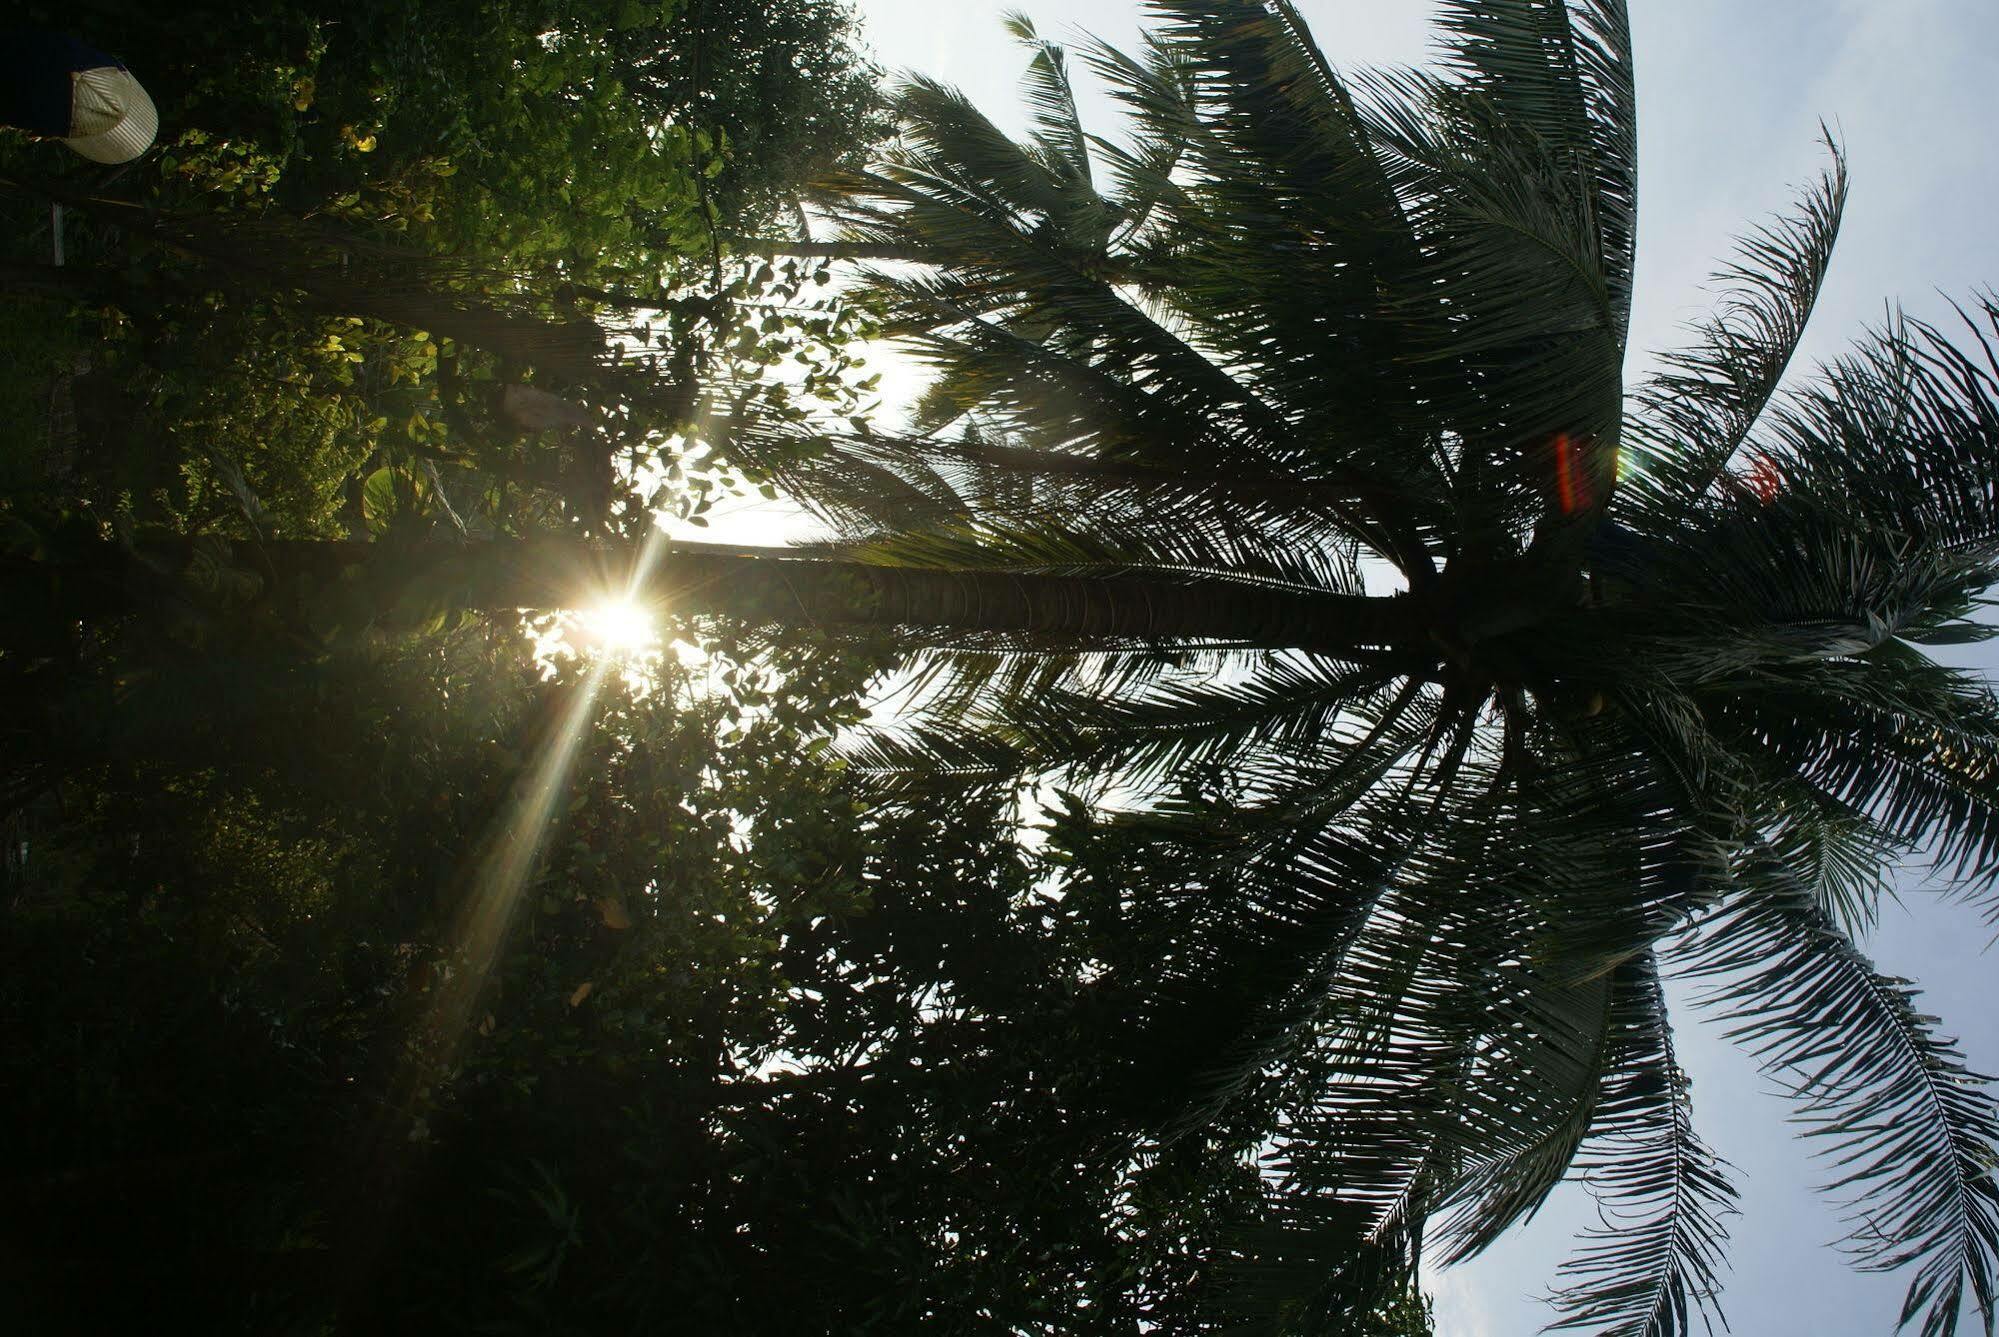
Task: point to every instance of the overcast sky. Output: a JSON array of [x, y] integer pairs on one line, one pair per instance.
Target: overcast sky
[[1731, 94]]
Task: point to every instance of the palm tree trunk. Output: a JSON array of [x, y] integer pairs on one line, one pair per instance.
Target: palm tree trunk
[[762, 585], [777, 247], [1106, 267]]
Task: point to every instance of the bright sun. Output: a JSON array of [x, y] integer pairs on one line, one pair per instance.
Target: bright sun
[[619, 628]]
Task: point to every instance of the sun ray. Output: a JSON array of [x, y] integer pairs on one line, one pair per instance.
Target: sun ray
[[505, 864]]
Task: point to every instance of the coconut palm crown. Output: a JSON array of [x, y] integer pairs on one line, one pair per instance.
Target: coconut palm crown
[[1649, 693]]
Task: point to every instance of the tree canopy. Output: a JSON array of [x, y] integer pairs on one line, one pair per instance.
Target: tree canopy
[[373, 964], [1402, 695]]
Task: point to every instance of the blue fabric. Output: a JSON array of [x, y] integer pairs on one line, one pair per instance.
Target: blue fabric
[[35, 70]]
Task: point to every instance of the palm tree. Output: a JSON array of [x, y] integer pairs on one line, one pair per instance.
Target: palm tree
[[1648, 690], [1651, 690]]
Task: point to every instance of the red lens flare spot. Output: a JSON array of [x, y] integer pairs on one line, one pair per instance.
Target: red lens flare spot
[[1571, 492], [1762, 478]]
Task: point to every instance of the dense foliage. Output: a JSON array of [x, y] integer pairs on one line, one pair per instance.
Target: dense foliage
[[761, 1054], [397, 253], [1340, 936], [369, 965]]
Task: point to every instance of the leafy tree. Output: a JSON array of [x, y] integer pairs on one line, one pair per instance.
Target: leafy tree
[[247, 884], [819, 1039], [539, 129], [369, 230], [241, 831]]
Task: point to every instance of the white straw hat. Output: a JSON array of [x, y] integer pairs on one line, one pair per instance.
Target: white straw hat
[[111, 119]]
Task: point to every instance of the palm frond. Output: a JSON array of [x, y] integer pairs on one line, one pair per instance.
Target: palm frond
[[1299, 240], [1910, 745], [1157, 94], [1052, 97], [1691, 418], [1655, 1263], [1500, 1191], [1562, 68], [1289, 709], [1525, 351], [1902, 435], [1912, 1134]]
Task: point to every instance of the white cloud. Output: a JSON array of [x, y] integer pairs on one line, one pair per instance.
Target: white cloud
[[1460, 1306]]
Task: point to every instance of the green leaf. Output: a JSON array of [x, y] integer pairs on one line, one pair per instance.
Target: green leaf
[[379, 500]]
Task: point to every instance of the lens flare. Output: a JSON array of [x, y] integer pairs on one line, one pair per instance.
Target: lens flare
[[504, 865], [1569, 484], [618, 628]]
